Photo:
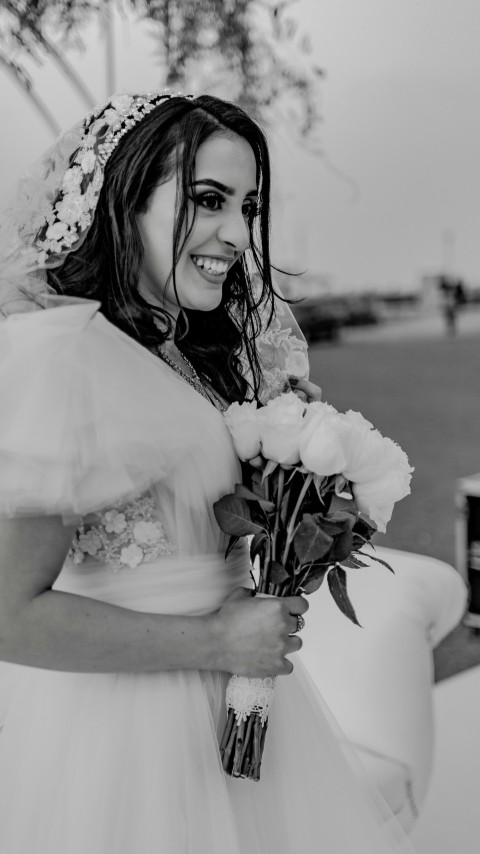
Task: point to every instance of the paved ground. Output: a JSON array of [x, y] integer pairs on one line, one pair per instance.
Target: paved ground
[[387, 396], [418, 324]]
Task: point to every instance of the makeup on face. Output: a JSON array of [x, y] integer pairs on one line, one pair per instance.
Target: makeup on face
[[222, 204]]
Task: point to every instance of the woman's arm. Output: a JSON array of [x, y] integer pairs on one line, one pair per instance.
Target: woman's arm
[[46, 628]]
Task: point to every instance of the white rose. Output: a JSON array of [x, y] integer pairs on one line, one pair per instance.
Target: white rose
[[322, 443], [376, 498], [371, 455], [378, 470], [318, 409], [356, 419], [281, 424], [242, 421]]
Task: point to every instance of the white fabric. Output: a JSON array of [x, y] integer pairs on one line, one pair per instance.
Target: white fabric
[[378, 682], [124, 763]]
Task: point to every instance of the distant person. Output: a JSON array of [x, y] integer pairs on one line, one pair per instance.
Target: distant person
[[453, 297]]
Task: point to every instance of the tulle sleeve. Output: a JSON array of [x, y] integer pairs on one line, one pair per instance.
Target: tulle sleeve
[[88, 416]]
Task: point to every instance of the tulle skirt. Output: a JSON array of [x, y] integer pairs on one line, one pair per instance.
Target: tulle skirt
[[129, 763]]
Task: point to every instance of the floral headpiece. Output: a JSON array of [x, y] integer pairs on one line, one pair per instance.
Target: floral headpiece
[[56, 200]]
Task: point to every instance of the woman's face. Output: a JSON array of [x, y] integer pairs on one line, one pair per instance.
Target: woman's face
[[224, 196]]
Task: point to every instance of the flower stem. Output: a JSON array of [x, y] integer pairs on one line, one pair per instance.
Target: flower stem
[[293, 519], [279, 498]]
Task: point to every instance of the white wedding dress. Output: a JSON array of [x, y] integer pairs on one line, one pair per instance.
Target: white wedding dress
[[99, 430]]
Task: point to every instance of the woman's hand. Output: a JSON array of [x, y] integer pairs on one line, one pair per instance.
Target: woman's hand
[[306, 390], [255, 634]]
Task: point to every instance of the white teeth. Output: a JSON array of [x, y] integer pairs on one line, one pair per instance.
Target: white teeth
[[211, 265]]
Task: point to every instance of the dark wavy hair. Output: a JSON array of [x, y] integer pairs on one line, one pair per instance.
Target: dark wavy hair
[[107, 265]]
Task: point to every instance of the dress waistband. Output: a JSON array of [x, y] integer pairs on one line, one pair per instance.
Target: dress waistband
[[186, 584]]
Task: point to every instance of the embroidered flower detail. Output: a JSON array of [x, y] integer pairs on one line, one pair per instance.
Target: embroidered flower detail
[[57, 231], [90, 197], [122, 102], [131, 555], [90, 543], [145, 532], [296, 363], [72, 179], [87, 161], [97, 180], [123, 536], [281, 353], [70, 208], [114, 521], [110, 116], [70, 237]]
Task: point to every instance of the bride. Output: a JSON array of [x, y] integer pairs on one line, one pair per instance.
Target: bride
[[138, 299]]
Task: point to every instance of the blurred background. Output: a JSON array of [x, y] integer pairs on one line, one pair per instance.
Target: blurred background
[[371, 107]]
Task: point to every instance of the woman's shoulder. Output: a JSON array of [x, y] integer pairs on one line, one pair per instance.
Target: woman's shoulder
[[89, 416], [51, 311]]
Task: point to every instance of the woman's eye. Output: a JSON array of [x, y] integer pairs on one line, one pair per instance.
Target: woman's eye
[[211, 201], [250, 210]]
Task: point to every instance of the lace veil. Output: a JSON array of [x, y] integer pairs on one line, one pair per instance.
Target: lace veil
[[52, 205]]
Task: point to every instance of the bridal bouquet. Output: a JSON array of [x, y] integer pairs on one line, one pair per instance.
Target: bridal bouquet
[[327, 483]]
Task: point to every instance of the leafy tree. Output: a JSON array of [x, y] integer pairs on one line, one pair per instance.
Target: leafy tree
[[249, 51]]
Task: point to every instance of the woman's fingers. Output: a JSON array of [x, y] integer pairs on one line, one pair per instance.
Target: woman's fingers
[[307, 390], [297, 604]]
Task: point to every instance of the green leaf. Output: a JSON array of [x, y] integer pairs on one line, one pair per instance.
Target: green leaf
[[311, 542], [278, 573], [365, 527], [242, 491], [342, 505], [231, 545], [318, 480], [233, 516], [269, 468], [353, 562], [378, 560], [358, 541], [256, 544], [337, 582], [315, 578]]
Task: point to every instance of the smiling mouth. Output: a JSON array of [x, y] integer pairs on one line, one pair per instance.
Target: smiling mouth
[[212, 266]]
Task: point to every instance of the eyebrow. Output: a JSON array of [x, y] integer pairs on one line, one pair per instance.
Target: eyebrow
[[229, 191]]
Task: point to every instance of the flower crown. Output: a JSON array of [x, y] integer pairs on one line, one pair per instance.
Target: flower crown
[[75, 177]]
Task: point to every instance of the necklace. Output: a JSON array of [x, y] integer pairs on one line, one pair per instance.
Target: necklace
[[193, 380]]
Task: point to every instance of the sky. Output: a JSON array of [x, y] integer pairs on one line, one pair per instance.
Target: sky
[[395, 194]]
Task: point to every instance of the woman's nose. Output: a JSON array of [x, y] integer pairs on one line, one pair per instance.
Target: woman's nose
[[235, 231]]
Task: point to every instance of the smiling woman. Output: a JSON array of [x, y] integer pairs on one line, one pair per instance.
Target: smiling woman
[[221, 216], [137, 289]]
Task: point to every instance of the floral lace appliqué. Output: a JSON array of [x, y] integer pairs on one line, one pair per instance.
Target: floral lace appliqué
[[123, 537], [281, 353]]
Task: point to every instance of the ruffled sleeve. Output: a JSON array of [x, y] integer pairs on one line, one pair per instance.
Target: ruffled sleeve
[[88, 417]]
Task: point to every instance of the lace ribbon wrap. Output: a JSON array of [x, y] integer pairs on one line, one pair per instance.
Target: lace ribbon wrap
[[246, 696]]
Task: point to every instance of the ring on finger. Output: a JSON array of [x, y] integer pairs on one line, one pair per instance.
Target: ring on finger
[[300, 623]]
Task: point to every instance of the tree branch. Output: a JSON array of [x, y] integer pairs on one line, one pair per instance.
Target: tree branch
[[34, 99]]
